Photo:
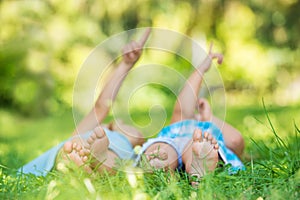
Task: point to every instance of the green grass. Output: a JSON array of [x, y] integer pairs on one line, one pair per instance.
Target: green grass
[[272, 163]]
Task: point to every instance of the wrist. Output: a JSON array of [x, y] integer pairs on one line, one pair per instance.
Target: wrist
[[200, 71], [126, 65], [205, 65]]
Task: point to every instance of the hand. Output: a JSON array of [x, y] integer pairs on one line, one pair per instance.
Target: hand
[[133, 51], [207, 62], [205, 113]]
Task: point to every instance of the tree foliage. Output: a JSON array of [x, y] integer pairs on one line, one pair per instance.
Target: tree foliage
[[43, 43]]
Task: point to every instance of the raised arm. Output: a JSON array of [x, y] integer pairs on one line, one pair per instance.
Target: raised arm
[[131, 53], [187, 99]]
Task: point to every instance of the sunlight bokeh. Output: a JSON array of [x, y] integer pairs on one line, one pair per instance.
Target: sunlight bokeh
[[44, 44]]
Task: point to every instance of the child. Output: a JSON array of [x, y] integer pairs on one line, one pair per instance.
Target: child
[[195, 141], [89, 138], [180, 143]]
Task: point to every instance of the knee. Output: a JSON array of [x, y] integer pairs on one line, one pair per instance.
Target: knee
[[236, 144]]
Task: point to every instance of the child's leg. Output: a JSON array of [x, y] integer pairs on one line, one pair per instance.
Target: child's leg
[[75, 149], [201, 156], [187, 101], [102, 157], [91, 153], [232, 137], [185, 104]]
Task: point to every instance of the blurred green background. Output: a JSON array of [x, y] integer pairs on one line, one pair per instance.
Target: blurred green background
[[44, 43]]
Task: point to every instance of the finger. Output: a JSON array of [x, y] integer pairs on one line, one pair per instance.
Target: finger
[[145, 37], [201, 101], [135, 47], [130, 48], [218, 56], [131, 55], [220, 59]]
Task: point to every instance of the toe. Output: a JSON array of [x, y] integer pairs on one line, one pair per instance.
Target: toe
[[68, 147], [214, 141], [151, 155], [90, 140], [84, 158], [209, 137], [81, 152], [156, 163], [205, 138], [86, 152], [86, 145], [93, 136], [197, 136], [99, 132], [78, 148], [195, 180], [74, 145], [161, 154], [216, 146]]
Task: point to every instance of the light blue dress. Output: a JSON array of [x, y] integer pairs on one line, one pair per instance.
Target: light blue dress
[[43, 164], [177, 135], [180, 133]]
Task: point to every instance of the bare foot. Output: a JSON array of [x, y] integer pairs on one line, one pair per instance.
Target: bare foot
[[204, 157], [157, 158], [74, 151], [161, 155], [102, 158]]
